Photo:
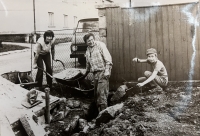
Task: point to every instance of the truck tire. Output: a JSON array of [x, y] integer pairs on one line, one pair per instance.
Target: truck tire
[[82, 61]]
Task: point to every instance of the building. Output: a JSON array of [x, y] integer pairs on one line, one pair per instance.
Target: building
[[18, 16]]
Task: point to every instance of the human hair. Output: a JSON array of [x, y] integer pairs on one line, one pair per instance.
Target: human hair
[[87, 36], [48, 33]]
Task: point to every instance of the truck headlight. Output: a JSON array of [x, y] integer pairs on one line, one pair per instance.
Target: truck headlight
[[74, 48]]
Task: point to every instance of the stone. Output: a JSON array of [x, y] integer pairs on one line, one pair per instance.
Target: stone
[[76, 104], [121, 91], [72, 125], [108, 114]]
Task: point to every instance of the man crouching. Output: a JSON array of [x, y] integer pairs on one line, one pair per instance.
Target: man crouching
[[159, 77]]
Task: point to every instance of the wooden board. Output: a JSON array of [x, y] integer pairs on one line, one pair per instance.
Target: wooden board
[[126, 49], [11, 96], [171, 19], [133, 72], [31, 127], [177, 41], [165, 33]]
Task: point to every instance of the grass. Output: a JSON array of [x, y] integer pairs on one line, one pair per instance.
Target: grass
[[6, 48]]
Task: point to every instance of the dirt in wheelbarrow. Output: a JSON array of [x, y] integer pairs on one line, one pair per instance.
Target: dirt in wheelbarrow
[[174, 111]]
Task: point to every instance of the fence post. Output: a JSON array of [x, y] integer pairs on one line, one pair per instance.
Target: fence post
[[47, 111]]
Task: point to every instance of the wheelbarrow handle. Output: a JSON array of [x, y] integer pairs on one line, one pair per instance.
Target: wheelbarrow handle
[[60, 62]]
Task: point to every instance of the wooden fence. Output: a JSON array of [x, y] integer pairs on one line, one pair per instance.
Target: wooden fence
[[170, 29]]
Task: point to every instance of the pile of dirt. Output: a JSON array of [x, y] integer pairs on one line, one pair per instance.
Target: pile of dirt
[[175, 111]]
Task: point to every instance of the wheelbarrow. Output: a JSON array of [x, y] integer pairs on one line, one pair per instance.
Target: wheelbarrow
[[22, 78], [75, 81]]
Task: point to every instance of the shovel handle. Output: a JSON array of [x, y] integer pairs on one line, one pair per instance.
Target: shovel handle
[[45, 72]]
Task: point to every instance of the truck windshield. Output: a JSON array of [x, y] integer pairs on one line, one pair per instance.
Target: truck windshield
[[89, 26]]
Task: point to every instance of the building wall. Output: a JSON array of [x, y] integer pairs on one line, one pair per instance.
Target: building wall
[[17, 16]]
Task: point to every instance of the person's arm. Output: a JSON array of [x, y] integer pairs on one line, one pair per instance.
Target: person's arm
[[139, 60], [87, 66], [37, 53], [108, 60], [53, 49], [152, 77]]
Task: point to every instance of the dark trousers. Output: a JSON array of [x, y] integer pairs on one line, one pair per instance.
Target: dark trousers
[[101, 85], [47, 61]]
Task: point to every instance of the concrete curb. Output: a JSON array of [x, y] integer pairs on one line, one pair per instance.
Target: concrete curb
[[15, 51]]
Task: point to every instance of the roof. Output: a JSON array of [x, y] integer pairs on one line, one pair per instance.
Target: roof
[[89, 19]]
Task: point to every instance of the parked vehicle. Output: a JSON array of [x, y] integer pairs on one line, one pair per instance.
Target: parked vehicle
[[78, 46]]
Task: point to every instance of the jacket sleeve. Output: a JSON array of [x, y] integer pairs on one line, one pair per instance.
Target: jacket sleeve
[[107, 57]]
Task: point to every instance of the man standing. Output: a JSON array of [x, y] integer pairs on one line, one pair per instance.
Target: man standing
[[98, 62]]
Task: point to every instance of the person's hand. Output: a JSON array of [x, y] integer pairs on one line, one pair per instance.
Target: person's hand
[[135, 60], [35, 66], [106, 74], [140, 85]]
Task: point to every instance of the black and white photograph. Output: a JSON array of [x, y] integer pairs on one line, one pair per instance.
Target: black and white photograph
[[100, 68]]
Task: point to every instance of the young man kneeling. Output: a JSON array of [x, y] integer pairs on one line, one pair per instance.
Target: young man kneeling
[[159, 77]]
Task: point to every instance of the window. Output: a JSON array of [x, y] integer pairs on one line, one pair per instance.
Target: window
[[51, 19], [75, 20], [65, 20]]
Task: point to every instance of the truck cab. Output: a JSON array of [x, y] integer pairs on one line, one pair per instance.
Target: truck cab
[[78, 46]]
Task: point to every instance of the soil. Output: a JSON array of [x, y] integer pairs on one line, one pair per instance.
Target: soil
[[5, 48], [174, 111]]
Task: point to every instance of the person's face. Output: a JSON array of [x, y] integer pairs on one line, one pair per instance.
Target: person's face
[[49, 38], [90, 41], [152, 58]]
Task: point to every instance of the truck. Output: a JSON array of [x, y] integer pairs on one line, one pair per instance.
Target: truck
[[78, 46]]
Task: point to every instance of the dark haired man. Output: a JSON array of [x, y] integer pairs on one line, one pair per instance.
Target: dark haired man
[[43, 49], [98, 62]]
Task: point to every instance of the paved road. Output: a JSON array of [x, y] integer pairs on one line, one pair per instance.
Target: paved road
[[21, 61]]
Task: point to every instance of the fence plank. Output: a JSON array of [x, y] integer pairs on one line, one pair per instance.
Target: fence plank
[[147, 33], [196, 68], [198, 40], [116, 38], [159, 33], [183, 25], [137, 41], [132, 43], [165, 33], [177, 41], [121, 53], [109, 35], [113, 29], [126, 44], [171, 42], [190, 30], [153, 37], [142, 38]]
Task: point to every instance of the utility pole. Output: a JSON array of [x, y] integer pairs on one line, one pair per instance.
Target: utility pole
[[130, 3], [34, 16], [33, 35]]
